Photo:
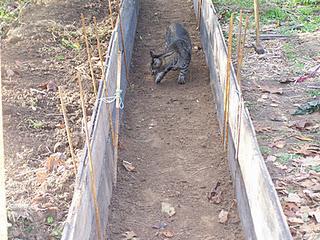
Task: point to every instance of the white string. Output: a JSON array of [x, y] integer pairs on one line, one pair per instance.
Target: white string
[[113, 98]]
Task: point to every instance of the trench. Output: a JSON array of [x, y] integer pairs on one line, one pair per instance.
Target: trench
[[170, 134]]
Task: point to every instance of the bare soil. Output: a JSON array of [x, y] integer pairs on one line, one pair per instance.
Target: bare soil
[[40, 51], [171, 137]]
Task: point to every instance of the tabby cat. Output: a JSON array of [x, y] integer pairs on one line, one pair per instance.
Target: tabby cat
[[177, 55]]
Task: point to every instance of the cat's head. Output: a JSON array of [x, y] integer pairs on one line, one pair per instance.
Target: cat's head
[[156, 63]]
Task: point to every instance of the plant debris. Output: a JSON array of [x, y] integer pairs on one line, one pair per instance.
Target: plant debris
[[308, 108]]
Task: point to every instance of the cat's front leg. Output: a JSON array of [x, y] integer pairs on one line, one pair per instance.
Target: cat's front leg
[[161, 74], [182, 77]]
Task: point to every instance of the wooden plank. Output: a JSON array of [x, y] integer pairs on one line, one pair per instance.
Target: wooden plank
[[81, 216], [259, 207]]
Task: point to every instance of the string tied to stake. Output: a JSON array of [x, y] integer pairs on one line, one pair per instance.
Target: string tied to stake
[[111, 99]]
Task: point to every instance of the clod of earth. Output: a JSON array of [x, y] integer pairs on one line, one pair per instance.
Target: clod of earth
[[223, 216], [168, 209]]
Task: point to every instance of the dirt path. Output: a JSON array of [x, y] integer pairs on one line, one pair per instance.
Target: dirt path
[[171, 137]]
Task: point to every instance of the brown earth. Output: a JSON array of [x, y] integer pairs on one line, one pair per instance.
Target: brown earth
[[171, 136], [40, 51]]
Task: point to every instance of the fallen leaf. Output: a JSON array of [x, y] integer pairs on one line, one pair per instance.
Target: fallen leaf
[[293, 198], [223, 216], [271, 158], [128, 166], [274, 105], [54, 161], [168, 209], [300, 125], [10, 73], [130, 235], [167, 233], [316, 215], [263, 129], [279, 144], [307, 150], [41, 176], [313, 196], [268, 89], [295, 220], [303, 138], [311, 161], [290, 209], [215, 195]]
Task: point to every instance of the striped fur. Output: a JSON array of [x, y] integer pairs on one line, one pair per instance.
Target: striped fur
[[177, 55]]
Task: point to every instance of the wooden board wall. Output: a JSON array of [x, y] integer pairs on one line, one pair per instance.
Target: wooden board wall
[[258, 204], [80, 223]]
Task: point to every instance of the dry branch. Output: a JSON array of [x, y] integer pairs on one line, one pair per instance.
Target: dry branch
[[66, 123], [91, 170]]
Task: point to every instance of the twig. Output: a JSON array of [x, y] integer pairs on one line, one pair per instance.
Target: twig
[[117, 121], [111, 13], [259, 49], [98, 46], [91, 170], [66, 122], [84, 32], [199, 13], [227, 87]]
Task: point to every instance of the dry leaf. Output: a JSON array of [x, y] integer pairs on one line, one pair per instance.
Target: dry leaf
[[130, 235], [215, 195], [263, 129], [290, 209], [293, 198], [279, 144], [54, 161], [295, 220], [167, 233], [303, 138], [128, 166], [41, 176], [168, 209], [271, 158], [268, 89], [300, 125], [316, 215], [10, 73], [311, 161], [223, 216], [307, 150]]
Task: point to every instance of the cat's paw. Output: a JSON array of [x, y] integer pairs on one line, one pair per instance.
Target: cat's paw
[[181, 79], [159, 78]]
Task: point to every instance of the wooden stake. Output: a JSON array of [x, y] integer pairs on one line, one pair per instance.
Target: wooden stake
[[84, 32], [98, 46], [199, 12], [117, 122], [259, 49], [66, 123], [239, 40], [123, 46], [227, 87], [239, 120], [240, 56], [91, 170], [111, 13]]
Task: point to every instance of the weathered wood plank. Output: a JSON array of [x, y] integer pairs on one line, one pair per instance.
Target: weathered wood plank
[[259, 207], [81, 217]]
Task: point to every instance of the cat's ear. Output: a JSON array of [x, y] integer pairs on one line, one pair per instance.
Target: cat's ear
[[152, 53]]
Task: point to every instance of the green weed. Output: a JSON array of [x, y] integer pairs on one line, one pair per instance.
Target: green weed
[[314, 93], [285, 158]]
